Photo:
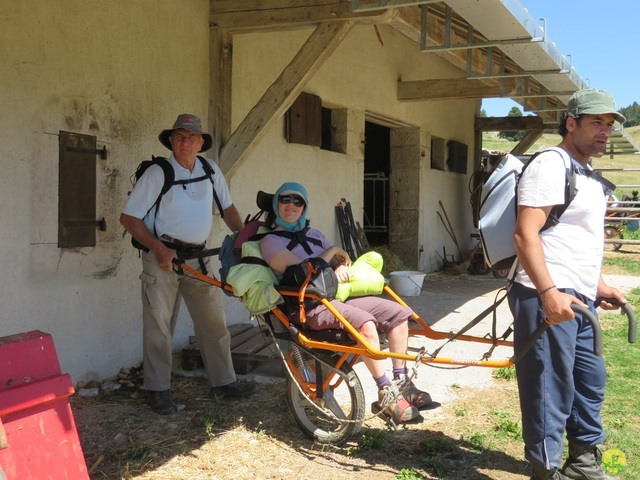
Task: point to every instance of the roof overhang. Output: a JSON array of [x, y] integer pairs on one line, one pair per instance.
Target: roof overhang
[[500, 50]]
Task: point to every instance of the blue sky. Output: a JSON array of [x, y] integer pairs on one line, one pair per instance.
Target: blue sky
[[603, 38]]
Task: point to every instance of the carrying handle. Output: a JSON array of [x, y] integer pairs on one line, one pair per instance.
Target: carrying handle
[[595, 324], [626, 308]]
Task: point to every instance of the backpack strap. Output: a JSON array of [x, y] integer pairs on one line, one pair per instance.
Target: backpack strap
[[570, 191], [169, 177], [255, 261], [298, 238], [208, 170], [170, 181]]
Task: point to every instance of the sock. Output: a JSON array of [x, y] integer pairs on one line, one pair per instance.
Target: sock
[[382, 381], [398, 372]]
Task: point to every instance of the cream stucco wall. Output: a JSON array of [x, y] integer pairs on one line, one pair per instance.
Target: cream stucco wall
[[122, 71]]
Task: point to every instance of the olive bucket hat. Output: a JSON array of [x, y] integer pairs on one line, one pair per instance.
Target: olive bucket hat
[[188, 122], [593, 102]]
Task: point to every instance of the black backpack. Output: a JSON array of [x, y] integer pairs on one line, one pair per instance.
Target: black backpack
[[323, 281], [170, 181]]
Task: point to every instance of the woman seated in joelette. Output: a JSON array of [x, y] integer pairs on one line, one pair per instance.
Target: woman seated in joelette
[[366, 314]]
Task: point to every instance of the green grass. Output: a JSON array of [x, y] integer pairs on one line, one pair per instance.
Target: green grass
[[508, 373], [406, 474], [631, 267], [620, 414], [369, 440]]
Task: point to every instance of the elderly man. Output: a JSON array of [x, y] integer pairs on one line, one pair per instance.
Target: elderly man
[[180, 221], [561, 381]]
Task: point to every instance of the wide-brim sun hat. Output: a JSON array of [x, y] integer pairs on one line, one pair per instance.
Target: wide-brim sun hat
[[188, 122], [593, 102]]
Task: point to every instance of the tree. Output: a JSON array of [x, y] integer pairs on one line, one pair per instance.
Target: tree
[[513, 136], [632, 114]]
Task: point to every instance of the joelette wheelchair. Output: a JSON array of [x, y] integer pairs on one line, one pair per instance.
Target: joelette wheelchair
[[323, 391]]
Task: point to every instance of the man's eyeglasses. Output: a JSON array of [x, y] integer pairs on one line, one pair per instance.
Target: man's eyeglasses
[[285, 199]]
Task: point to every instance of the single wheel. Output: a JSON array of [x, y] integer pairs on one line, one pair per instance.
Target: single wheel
[[611, 232], [344, 399], [501, 273], [479, 267]]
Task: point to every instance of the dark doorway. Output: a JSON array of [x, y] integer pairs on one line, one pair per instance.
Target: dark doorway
[[377, 152]]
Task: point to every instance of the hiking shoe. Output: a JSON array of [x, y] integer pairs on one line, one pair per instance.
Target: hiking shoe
[[539, 472], [416, 397], [160, 402], [584, 463], [551, 475], [400, 410], [235, 389]]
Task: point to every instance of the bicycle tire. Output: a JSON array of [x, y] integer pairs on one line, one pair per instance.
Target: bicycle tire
[[501, 273], [611, 232], [345, 400]]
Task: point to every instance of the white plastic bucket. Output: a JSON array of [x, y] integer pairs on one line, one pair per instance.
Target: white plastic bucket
[[407, 283]]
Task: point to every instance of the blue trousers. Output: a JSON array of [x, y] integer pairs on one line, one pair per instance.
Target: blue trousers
[[561, 382]]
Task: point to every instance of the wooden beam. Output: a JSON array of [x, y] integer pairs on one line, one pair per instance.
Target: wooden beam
[[281, 94], [513, 124], [408, 22], [453, 89], [221, 52], [524, 144], [272, 15]]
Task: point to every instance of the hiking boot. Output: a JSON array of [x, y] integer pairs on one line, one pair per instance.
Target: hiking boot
[[539, 473], [235, 389], [160, 402], [584, 463], [416, 397], [400, 410]]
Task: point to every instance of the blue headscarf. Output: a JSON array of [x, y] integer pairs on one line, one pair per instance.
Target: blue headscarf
[[294, 189]]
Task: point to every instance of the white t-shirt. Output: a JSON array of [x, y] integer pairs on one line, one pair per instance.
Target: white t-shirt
[[573, 249], [185, 211]]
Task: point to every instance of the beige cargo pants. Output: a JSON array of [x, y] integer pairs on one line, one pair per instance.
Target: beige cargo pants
[[160, 292]]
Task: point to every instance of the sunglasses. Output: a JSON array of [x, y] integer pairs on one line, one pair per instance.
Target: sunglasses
[[285, 199]]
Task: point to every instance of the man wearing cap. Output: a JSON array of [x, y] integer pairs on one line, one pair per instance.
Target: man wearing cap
[[561, 382], [181, 221]]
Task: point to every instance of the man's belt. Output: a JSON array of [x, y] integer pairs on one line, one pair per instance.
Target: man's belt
[[179, 245], [184, 247]]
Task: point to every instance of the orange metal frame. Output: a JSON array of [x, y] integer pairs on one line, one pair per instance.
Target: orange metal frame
[[363, 347]]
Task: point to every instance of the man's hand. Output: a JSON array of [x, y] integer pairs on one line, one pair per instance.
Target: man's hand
[[557, 306], [606, 291], [165, 256]]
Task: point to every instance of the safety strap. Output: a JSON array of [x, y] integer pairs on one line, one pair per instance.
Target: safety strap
[[296, 238]]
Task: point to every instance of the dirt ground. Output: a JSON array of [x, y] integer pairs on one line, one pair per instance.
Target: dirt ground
[[257, 438]]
